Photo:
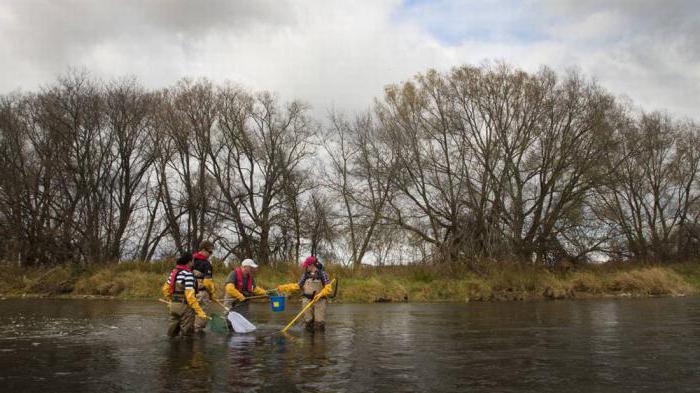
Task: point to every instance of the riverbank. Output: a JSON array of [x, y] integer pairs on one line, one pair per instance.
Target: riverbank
[[377, 284]]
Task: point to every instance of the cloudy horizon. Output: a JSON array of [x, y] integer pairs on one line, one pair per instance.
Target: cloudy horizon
[[339, 55]]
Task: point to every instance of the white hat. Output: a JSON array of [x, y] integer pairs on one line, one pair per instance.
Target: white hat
[[249, 262]]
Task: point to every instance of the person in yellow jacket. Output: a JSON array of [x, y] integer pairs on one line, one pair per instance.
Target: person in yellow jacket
[[181, 290], [240, 285], [314, 283], [204, 273]]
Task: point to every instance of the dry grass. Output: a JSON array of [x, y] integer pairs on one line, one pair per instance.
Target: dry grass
[[421, 283], [125, 284], [650, 281]]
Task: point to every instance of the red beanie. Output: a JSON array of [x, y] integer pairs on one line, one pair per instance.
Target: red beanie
[[310, 260]]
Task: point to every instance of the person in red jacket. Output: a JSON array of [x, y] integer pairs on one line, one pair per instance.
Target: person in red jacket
[[240, 285]]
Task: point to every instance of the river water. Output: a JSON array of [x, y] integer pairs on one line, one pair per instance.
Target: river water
[[616, 345]]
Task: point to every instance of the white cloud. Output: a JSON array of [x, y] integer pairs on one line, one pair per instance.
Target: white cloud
[[339, 54]]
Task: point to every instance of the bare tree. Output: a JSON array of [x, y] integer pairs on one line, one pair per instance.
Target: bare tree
[[128, 118], [256, 159], [493, 159], [318, 227], [651, 191], [358, 175], [186, 121], [73, 112], [476, 164]]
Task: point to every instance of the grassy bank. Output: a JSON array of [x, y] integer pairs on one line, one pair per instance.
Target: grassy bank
[[380, 284]]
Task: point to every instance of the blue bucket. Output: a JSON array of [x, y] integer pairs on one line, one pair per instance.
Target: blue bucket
[[277, 303]]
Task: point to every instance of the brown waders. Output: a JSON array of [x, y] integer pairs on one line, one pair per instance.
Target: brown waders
[[204, 301], [314, 317], [181, 319]]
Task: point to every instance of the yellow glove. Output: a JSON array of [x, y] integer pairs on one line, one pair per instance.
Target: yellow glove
[[192, 301], [288, 287], [324, 292], [165, 289], [208, 285], [233, 292], [259, 291]]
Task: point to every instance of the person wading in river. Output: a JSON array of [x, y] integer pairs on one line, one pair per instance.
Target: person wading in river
[[204, 274], [181, 290], [239, 285], [314, 283]]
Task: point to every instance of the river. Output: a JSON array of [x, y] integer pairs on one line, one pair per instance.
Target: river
[[616, 345]]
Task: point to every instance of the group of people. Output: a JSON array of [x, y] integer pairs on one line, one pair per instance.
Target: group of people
[[189, 289]]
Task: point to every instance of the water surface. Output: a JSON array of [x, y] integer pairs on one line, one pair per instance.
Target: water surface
[[630, 345]]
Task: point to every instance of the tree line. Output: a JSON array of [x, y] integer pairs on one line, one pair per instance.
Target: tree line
[[479, 163]]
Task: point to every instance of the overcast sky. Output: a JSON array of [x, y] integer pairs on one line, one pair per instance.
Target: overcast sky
[[339, 54]]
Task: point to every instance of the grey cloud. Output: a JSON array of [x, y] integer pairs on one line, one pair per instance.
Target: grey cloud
[[88, 20], [640, 17], [646, 48], [55, 34]]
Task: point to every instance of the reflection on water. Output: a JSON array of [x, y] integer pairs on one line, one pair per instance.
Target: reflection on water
[[598, 345]]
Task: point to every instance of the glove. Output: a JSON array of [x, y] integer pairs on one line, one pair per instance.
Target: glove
[[165, 289], [324, 292], [259, 291], [233, 292], [192, 302], [288, 287], [208, 284]]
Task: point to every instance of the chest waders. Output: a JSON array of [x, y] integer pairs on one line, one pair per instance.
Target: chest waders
[[182, 316], [315, 316]]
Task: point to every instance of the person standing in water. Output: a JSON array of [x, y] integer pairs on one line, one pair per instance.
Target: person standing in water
[[204, 273], [181, 291], [239, 285], [314, 283]]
